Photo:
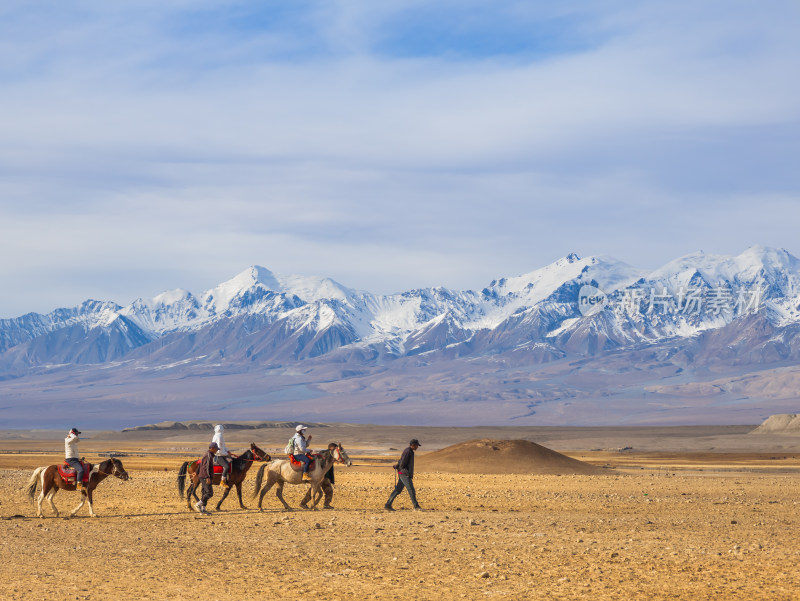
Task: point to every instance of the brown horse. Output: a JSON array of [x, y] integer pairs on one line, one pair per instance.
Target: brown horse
[[50, 481], [239, 467]]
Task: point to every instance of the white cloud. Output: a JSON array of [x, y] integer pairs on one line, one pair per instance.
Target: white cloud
[[159, 143]]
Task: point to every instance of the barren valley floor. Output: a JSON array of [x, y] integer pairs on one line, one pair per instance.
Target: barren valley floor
[[657, 526]]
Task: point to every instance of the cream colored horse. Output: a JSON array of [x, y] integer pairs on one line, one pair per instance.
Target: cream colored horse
[[281, 472]]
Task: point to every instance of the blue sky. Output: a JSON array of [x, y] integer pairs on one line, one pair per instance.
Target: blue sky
[[389, 145]]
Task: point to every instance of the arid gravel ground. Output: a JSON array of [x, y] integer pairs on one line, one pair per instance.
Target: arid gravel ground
[[665, 527]]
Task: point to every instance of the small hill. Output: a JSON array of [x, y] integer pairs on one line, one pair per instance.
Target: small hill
[[486, 456], [782, 423]]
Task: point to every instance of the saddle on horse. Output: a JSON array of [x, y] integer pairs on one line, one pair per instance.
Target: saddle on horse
[[67, 473], [298, 465], [217, 467]]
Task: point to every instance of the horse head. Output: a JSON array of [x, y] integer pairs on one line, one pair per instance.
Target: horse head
[[258, 454], [339, 455], [117, 469]]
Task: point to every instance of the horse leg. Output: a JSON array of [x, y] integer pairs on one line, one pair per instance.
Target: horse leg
[[239, 493], [306, 499], [91, 504], [271, 478], [81, 504], [227, 490], [279, 494], [41, 498], [50, 496], [315, 488], [327, 488], [189, 491], [49, 490]]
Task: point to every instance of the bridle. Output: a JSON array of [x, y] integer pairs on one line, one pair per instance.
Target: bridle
[[337, 454], [115, 472], [264, 455], [254, 451]]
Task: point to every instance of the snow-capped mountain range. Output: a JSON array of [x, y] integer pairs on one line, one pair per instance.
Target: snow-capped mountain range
[[574, 308]]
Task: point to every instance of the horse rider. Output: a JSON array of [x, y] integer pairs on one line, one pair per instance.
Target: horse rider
[[301, 448], [72, 457], [405, 476], [223, 457], [205, 471]]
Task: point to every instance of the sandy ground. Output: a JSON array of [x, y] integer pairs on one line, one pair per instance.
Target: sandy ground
[[658, 526]]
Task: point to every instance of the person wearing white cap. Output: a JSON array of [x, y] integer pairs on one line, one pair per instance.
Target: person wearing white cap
[[301, 448], [223, 457]]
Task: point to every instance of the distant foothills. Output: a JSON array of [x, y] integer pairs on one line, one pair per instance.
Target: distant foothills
[[705, 339]]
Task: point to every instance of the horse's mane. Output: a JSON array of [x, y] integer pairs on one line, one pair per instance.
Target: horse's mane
[[327, 454], [239, 462]]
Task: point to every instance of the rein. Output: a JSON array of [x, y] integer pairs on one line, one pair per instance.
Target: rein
[[253, 453], [112, 473]]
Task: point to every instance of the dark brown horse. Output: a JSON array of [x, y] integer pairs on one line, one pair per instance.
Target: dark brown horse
[[239, 467], [50, 481]]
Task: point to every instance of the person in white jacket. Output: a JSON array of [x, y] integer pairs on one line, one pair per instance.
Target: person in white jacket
[[301, 448], [223, 456], [72, 456]]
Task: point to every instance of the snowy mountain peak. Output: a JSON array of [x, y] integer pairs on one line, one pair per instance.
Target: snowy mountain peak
[[537, 285], [757, 264], [251, 277], [313, 288], [170, 297]]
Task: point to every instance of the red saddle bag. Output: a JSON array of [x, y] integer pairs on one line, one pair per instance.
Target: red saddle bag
[[68, 473], [298, 465]]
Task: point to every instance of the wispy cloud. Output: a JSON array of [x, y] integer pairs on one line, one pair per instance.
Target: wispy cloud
[[146, 145]]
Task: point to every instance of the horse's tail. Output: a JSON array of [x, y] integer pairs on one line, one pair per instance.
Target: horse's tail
[[30, 488], [182, 478], [259, 477]]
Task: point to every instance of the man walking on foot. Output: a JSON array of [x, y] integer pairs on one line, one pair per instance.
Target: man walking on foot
[[205, 471], [405, 476]]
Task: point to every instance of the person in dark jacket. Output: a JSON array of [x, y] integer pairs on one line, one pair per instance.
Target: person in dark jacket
[[405, 476], [205, 471], [326, 485]]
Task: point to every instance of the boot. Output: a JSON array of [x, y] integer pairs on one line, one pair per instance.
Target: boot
[[79, 486], [306, 477]]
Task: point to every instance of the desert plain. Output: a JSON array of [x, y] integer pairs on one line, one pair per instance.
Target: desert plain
[[658, 513]]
